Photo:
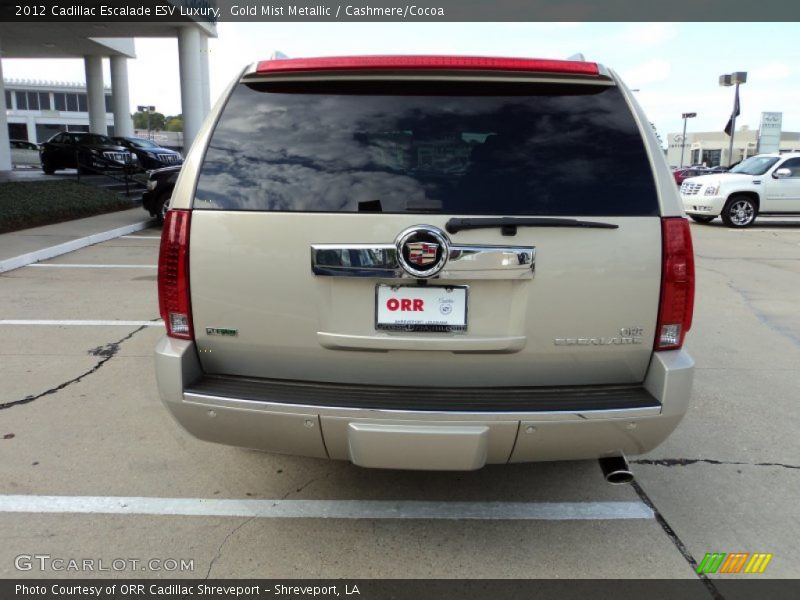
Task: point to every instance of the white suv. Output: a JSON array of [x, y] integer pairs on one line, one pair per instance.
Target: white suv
[[767, 184], [422, 262]]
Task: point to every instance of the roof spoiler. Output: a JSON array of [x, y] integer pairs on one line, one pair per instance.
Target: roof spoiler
[[578, 56]]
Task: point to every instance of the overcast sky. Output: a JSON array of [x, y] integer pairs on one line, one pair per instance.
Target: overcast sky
[[675, 66]]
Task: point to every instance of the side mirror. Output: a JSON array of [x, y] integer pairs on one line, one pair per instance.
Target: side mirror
[[782, 173]]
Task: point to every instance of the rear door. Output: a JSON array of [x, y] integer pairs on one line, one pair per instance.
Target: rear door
[[308, 187]]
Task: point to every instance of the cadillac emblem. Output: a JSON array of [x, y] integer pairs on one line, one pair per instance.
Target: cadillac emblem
[[422, 250]]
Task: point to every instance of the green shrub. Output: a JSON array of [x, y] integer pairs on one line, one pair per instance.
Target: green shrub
[[35, 203]]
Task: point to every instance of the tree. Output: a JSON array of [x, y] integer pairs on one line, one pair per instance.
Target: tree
[[174, 123], [157, 121]]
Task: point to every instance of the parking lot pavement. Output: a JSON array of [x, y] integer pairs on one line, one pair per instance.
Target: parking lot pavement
[[66, 235], [80, 417]]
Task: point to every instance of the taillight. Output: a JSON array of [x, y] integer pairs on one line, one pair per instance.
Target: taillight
[[677, 284], [425, 62], [173, 275]]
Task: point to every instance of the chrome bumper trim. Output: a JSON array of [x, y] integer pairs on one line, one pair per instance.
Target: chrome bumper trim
[[275, 407]]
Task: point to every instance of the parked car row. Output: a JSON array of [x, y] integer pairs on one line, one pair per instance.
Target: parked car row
[[682, 173], [91, 152]]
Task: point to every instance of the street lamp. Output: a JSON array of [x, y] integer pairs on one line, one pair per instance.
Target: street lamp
[[728, 80], [147, 110], [685, 116]]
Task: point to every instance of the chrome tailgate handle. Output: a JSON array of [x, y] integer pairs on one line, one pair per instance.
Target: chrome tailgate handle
[[463, 261]]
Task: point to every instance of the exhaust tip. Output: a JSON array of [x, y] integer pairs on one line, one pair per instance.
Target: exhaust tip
[[616, 470]]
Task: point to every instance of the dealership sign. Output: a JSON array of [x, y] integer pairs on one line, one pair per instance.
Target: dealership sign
[[769, 132]]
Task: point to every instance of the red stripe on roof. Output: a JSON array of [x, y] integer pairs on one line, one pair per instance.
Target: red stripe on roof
[[461, 63]]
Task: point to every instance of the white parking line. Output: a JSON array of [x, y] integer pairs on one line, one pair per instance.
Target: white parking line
[[87, 266], [141, 237], [78, 322], [326, 509], [22, 260]]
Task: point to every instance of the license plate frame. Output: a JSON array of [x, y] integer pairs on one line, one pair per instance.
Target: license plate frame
[[446, 323]]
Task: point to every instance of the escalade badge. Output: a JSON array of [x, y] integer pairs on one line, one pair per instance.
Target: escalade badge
[[422, 250]]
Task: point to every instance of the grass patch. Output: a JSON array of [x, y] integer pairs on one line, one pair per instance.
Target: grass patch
[[27, 204]]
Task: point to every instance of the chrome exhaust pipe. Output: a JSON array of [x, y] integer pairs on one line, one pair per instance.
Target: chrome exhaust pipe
[[616, 469]]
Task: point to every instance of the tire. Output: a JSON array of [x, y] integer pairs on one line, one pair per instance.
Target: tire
[[701, 219], [739, 212], [48, 167], [162, 206]]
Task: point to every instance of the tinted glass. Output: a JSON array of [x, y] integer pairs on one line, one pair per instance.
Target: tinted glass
[[97, 140], [454, 148], [33, 101], [60, 101], [756, 165], [22, 101], [793, 164], [82, 106], [72, 102], [44, 100], [138, 143]]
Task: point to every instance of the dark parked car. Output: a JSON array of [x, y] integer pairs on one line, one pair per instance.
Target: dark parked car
[[150, 154], [160, 184], [681, 174], [86, 152]]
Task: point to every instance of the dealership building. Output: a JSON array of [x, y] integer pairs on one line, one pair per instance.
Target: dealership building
[[37, 110], [103, 109], [711, 147]]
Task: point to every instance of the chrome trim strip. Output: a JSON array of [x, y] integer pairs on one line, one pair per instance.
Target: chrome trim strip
[[464, 261], [372, 413]]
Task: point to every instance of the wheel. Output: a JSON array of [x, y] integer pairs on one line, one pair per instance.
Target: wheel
[[701, 219], [48, 167], [162, 206], [739, 211]]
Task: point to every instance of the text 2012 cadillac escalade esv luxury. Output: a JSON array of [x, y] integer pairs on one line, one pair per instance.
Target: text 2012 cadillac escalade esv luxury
[[427, 262]]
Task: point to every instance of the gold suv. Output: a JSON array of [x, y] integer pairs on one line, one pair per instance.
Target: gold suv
[[427, 262]]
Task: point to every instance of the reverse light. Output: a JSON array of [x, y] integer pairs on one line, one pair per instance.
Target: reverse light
[[677, 284], [173, 275], [422, 62]]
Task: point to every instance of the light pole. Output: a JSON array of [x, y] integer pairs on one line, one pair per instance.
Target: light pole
[[728, 80], [685, 116], [147, 110]]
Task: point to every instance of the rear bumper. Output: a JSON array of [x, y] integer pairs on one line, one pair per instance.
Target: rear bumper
[[277, 419]]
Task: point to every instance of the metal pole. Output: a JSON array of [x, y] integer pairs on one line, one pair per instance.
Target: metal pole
[[683, 140], [733, 127]]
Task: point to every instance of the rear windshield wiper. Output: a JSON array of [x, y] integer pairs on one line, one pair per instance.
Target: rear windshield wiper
[[509, 224]]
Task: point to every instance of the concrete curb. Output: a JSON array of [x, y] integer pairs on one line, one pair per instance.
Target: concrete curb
[[31, 257]]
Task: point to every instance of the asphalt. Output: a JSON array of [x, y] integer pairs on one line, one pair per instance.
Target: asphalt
[[80, 416]]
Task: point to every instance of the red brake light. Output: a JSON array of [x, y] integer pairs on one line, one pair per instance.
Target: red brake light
[[345, 63], [677, 284], [173, 275]]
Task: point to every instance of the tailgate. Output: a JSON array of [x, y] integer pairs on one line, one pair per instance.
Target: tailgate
[[587, 316], [351, 161]]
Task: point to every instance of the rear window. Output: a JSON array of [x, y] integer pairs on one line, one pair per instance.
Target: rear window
[[417, 147]]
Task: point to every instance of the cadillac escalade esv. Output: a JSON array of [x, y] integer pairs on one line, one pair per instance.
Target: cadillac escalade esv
[[427, 262], [766, 184]]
